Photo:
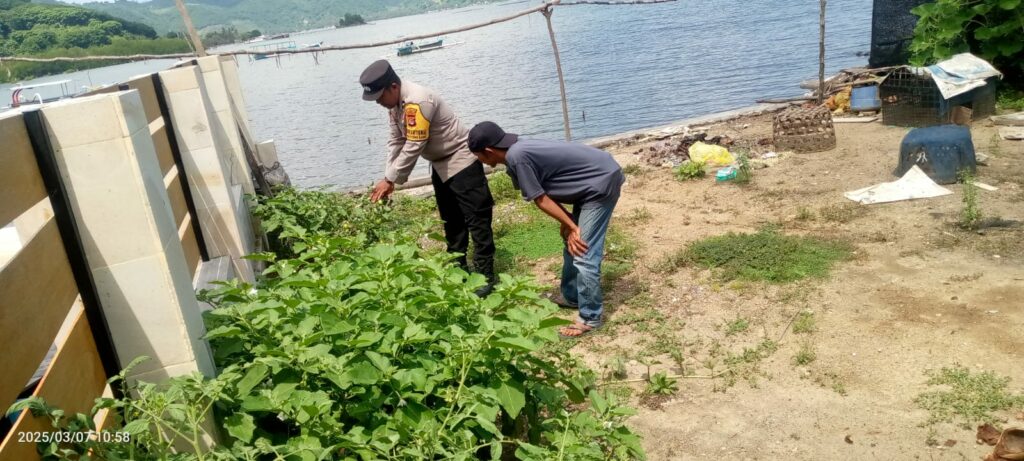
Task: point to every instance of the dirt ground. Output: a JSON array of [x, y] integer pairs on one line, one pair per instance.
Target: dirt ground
[[919, 294]]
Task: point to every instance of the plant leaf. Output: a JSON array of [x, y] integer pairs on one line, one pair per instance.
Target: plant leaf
[[240, 426], [511, 395], [516, 342]]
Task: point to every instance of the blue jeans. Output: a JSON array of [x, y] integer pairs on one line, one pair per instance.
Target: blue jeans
[[581, 276]]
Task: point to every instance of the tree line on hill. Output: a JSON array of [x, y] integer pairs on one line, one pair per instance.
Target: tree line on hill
[[50, 30]]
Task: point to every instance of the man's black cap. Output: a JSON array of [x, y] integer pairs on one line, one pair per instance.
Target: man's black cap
[[376, 78], [489, 134]]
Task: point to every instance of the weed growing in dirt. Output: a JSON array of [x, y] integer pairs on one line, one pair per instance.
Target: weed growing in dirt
[[970, 214], [690, 170], [767, 256], [662, 384], [967, 398], [633, 169], [744, 172], [804, 323], [804, 214], [639, 216], [737, 326], [842, 213], [669, 263], [805, 355], [616, 367], [746, 364]]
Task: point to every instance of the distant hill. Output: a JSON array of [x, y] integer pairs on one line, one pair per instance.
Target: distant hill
[[51, 30], [269, 16]]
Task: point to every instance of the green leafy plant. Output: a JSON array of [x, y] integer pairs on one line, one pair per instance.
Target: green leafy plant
[[744, 172], [990, 29], [970, 214], [690, 170], [661, 384], [359, 345]]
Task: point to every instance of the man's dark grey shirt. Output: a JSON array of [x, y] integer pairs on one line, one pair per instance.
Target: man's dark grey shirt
[[569, 173]]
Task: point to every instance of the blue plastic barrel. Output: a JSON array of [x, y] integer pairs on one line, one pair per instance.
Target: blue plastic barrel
[[864, 98]]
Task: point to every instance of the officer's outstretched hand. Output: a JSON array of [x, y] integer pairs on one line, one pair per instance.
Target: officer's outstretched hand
[[383, 190]]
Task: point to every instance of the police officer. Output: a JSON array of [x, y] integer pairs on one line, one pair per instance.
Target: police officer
[[423, 125]]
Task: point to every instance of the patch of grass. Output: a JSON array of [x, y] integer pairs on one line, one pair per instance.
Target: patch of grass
[[804, 323], [737, 326], [633, 169], [767, 256], [689, 170], [805, 355], [620, 245], [967, 398], [502, 189], [641, 300], [970, 214], [525, 238], [842, 213], [804, 214]]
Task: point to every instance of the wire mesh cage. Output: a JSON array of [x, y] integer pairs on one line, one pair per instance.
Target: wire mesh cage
[[804, 130], [911, 98]]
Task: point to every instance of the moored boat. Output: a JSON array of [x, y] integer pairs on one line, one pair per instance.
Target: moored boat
[[412, 48]]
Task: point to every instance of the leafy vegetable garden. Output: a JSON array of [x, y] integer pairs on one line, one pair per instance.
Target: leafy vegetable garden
[[363, 342]]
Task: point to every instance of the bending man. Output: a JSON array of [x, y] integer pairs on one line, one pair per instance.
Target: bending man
[[422, 125], [550, 174]]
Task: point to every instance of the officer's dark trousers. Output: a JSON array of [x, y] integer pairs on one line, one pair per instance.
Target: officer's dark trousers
[[466, 207]]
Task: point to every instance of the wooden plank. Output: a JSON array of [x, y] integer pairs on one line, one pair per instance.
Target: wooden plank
[[38, 290], [177, 196], [72, 383], [147, 92], [163, 150], [21, 186], [191, 246]]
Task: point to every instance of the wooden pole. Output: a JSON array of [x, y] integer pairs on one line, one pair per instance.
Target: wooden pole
[[561, 78], [821, 55], [200, 49]]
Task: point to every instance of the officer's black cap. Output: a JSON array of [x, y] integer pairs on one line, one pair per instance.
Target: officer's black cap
[[489, 134], [376, 78]]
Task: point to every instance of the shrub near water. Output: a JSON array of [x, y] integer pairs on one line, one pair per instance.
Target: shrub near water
[[363, 346]]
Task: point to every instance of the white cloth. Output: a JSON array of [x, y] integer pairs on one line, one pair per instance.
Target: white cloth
[[914, 184], [961, 73]]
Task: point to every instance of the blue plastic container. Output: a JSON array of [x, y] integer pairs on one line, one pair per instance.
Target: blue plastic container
[[940, 151], [864, 98]]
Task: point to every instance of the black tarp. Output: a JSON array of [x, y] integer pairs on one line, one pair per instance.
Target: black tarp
[[892, 29]]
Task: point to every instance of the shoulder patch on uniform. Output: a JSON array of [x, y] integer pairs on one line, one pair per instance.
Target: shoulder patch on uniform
[[417, 127]]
